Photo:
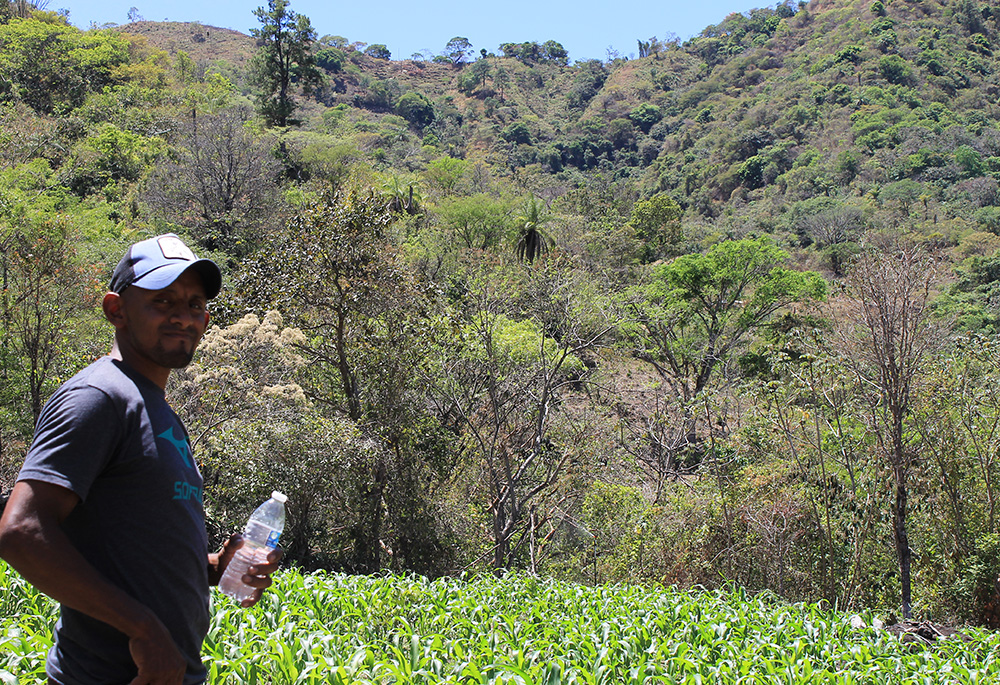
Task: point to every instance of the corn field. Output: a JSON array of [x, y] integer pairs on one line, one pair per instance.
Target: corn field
[[355, 630]]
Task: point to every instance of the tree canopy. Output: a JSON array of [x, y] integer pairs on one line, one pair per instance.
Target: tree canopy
[[283, 58]]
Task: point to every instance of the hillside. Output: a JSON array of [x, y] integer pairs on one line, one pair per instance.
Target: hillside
[[759, 113], [205, 44], [618, 320]]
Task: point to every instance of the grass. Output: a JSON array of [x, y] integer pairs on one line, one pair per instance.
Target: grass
[[327, 628]]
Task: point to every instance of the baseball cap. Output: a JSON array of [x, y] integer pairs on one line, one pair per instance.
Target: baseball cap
[[155, 263]]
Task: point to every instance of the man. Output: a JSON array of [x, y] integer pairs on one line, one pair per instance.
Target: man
[[107, 515]]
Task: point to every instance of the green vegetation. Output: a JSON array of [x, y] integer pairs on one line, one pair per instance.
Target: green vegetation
[[353, 629], [721, 314]]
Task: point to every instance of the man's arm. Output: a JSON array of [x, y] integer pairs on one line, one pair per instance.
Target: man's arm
[[33, 542], [259, 576]]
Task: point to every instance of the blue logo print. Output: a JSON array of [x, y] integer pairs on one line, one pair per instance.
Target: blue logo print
[[181, 445], [182, 490]]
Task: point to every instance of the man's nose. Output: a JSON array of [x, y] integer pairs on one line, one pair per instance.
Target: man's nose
[[182, 314]]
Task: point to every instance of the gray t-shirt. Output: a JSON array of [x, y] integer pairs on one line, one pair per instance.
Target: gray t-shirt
[[109, 436]]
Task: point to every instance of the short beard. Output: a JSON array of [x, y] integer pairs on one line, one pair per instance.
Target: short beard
[[172, 360], [176, 359]]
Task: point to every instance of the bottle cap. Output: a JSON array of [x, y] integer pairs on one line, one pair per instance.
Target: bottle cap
[[279, 497]]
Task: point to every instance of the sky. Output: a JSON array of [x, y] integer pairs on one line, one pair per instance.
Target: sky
[[586, 28]]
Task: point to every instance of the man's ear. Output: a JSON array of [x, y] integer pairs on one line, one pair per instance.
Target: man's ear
[[113, 306]]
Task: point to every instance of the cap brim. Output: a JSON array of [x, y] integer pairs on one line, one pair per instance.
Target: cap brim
[[161, 277]]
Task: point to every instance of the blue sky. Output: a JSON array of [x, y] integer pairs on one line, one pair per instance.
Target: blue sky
[[587, 29]]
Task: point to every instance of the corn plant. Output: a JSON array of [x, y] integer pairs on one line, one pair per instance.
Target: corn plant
[[26, 620], [523, 630]]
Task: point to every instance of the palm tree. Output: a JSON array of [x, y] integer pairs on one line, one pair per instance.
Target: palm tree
[[532, 240], [400, 194]]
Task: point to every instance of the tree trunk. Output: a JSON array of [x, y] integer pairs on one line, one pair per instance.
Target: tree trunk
[[901, 538], [368, 533], [501, 545], [348, 380]]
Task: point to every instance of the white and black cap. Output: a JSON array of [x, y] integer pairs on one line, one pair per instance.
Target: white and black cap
[[155, 263]]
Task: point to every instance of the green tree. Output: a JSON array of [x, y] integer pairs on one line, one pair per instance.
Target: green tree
[[476, 221], [970, 160], [657, 222], [444, 173], [554, 52], [378, 51], [330, 59], [699, 309], [51, 66], [517, 133], [587, 82], [458, 50], [336, 274], [751, 172], [501, 79], [283, 59], [895, 69], [110, 159], [645, 115], [44, 293], [497, 379], [901, 193], [531, 51], [475, 76], [348, 276]]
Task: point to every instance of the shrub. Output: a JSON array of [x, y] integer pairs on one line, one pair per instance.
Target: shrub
[[416, 108], [981, 44], [645, 115], [970, 161], [517, 133], [989, 219], [751, 172], [850, 53], [894, 69], [330, 59], [109, 157], [974, 594]]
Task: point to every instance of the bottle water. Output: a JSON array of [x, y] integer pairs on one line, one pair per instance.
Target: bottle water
[[259, 537]]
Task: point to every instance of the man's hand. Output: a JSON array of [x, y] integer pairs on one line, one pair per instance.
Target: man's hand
[[258, 576], [157, 657], [218, 562]]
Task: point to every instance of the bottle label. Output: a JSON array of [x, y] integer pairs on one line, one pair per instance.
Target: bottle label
[[272, 539], [260, 534]]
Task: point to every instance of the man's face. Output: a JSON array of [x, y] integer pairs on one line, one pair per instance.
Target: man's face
[[160, 329]]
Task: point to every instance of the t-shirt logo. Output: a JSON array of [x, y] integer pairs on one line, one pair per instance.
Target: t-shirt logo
[[180, 445], [173, 248]]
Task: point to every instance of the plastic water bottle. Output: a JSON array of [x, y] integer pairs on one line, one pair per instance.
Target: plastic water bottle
[[259, 537]]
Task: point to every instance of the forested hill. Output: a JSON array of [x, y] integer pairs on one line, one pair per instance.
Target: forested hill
[[886, 103], [721, 311]]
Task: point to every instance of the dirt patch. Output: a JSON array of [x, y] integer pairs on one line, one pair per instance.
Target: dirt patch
[[925, 633]]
